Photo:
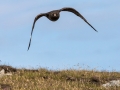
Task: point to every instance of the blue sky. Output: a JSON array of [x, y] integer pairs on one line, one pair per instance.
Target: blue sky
[[62, 44]]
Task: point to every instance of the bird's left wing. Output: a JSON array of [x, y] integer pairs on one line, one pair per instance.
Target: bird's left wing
[[36, 18], [78, 14]]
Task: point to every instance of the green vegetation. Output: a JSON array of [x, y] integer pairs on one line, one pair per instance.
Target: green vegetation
[[43, 79]]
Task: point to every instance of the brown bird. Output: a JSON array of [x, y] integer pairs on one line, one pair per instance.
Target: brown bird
[[54, 16]]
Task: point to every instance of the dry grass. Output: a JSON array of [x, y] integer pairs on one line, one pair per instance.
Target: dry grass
[[43, 79]]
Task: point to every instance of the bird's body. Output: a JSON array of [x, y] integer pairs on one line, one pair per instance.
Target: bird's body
[[54, 16]]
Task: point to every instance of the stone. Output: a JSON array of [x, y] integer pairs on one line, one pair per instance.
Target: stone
[[2, 73], [112, 83]]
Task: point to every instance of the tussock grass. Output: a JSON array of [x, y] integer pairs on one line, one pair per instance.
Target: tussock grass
[[43, 79]]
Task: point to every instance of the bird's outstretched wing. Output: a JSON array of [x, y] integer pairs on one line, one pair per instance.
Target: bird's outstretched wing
[[36, 18], [78, 14]]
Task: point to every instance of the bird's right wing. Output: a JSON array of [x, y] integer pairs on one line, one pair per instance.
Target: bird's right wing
[[36, 18], [78, 14]]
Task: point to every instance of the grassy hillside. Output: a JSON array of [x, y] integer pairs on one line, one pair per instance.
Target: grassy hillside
[[43, 79]]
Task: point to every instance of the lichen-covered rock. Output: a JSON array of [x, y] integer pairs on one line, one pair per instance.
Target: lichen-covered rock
[[112, 83], [7, 68], [2, 73]]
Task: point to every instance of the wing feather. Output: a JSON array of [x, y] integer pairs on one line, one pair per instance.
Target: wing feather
[[78, 14], [36, 18]]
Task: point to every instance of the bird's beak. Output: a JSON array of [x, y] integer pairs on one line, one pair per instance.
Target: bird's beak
[[55, 15]]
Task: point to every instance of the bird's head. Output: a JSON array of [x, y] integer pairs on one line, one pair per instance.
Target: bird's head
[[54, 15]]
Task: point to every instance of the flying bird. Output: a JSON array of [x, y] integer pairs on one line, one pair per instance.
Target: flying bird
[[54, 16]]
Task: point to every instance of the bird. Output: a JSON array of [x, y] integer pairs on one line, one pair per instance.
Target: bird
[[54, 16]]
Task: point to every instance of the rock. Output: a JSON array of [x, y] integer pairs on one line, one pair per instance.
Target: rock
[[7, 68], [2, 73], [5, 87], [112, 83]]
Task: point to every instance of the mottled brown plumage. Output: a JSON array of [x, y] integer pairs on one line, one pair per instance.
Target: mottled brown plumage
[[54, 16]]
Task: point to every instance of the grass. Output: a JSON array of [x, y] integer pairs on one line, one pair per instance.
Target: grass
[[43, 79]]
